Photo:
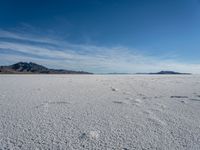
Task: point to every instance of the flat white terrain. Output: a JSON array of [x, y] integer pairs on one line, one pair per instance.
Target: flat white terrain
[[122, 112]]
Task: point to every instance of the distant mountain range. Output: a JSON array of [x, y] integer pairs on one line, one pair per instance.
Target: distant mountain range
[[167, 72], [33, 68]]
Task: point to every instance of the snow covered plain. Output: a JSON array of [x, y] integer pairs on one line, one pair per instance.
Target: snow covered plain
[[122, 112]]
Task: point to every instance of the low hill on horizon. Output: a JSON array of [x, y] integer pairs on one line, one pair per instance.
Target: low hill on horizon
[[33, 68], [167, 73]]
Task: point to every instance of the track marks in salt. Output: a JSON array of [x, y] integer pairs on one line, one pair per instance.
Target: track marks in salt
[[118, 102], [197, 98], [156, 121], [179, 97], [150, 115], [194, 99], [128, 100], [45, 105], [185, 99], [128, 115]]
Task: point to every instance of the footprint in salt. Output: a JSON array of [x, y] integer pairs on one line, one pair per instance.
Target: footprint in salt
[[146, 112], [114, 89], [135, 101], [156, 121], [127, 93], [184, 102], [94, 135]]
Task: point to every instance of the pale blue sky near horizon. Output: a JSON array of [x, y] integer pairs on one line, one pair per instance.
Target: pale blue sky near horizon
[[102, 35]]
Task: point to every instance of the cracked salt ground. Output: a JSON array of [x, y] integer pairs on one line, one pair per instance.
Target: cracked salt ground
[[99, 112]]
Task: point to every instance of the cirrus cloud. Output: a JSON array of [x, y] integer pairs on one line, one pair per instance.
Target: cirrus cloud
[[56, 53]]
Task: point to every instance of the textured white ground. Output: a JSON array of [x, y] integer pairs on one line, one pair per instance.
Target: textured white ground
[[99, 112]]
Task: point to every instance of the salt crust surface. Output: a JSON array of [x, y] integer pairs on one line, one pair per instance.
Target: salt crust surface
[[100, 112]]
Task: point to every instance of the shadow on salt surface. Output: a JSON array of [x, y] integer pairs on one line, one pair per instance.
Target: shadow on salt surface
[[184, 97], [179, 97], [118, 102], [193, 99]]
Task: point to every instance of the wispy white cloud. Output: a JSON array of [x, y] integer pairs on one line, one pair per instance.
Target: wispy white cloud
[[60, 54]]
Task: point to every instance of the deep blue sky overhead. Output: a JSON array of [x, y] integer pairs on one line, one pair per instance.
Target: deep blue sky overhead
[[102, 35]]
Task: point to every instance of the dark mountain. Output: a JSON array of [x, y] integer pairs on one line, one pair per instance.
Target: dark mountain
[[167, 73], [33, 68]]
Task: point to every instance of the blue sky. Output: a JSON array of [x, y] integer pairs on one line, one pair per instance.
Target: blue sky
[[102, 35]]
